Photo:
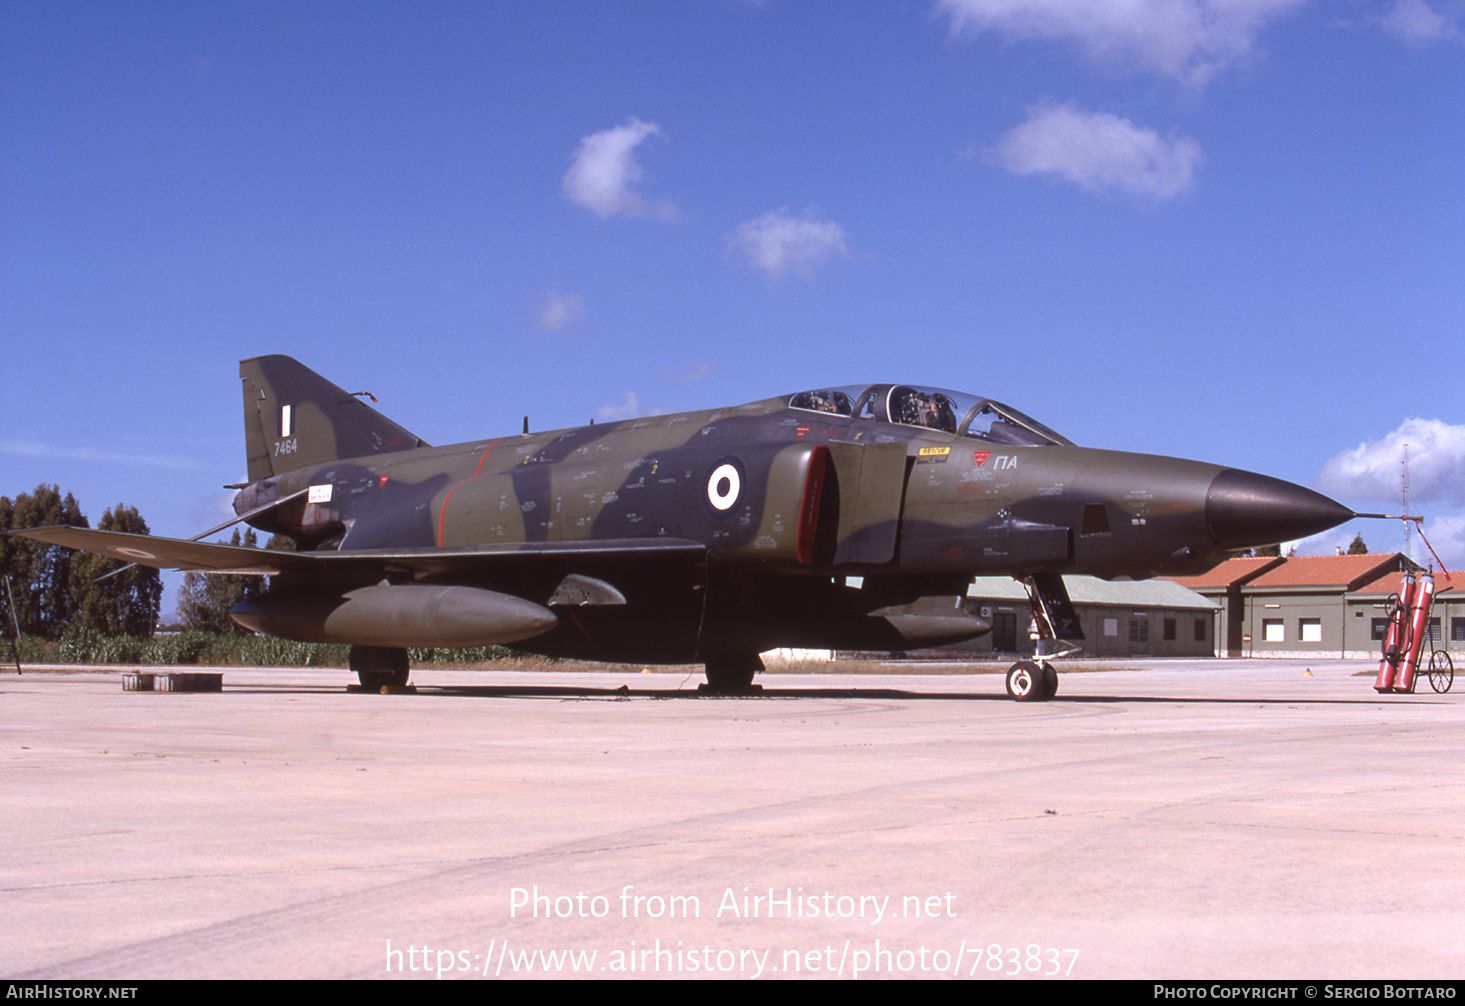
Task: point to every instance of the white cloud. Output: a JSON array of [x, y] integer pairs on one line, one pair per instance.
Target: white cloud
[[1447, 536], [605, 168], [628, 407], [1415, 21], [53, 453], [210, 510], [1098, 151], [779, 243], [1444, 534], [1373, 469], [1439, 542], [693, 373], [1370, 477], [559, 311], [1191, 40]]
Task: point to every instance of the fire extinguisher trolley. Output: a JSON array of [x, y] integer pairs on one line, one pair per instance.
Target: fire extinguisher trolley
[[1407, 634]]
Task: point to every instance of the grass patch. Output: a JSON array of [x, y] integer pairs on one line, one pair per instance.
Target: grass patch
[[203, 649]]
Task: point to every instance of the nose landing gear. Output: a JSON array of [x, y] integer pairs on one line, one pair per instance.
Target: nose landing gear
[[1031, 681], [1055, 621]]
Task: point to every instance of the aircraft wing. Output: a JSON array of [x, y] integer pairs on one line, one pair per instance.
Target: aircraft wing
[[197, 556]]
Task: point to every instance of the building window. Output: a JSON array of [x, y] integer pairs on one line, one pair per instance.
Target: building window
[[1434, 630], [1272, 631], [1111, 626], [1169, 627], [1457, 630], [1139, 630], [1200, 630], [1310, 630], [1380, 628]]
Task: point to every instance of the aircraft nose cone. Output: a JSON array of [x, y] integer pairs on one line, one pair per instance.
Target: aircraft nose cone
[[1245, 509]]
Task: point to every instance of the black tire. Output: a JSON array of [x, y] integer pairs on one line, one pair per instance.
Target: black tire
[[732, 676], [1050, 681], [379, 667], [1441, 671], [1027, 681]]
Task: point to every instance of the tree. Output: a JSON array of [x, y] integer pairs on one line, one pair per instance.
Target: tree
[[207, 597], [124, 603], [1358, 547], [40, 575]]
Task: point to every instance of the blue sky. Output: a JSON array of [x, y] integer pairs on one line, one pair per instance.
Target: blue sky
[[1231, 231]]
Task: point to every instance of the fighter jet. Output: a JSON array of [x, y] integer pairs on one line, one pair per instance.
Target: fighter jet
[[842, 517]]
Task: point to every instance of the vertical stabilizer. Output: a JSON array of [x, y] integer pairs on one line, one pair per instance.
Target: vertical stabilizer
[[294, 418]]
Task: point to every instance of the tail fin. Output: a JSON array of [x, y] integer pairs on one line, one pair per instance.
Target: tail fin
[[294, 418]]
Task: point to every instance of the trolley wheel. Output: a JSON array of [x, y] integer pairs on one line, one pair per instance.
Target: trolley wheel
[[1441, 671]]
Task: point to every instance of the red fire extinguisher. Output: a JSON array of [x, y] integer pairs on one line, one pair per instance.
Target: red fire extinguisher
[[1396, 640], [1418, 631]]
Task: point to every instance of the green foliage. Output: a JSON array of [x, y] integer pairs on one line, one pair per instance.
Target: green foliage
[[419, 655], [81, 645], [1358, 547], [178, 649], [55, 588], [124, 603], [40, 575], [206, 598]]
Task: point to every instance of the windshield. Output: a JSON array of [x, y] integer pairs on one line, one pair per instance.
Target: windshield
[[952, 412], [1002, 424]]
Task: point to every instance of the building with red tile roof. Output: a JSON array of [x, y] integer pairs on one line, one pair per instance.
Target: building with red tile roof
[[1223, 585], [1318, 605], [1373, 601]]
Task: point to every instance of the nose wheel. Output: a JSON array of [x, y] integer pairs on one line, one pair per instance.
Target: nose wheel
[[1032, 681]]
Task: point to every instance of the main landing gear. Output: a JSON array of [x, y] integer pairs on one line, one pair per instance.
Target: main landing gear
[[732, 675], [379, 667]]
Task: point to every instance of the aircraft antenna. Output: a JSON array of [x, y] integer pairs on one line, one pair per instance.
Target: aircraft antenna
[[1404, 498]]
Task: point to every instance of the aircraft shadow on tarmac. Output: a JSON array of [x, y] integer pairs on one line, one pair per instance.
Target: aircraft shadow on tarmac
[[625, 693]]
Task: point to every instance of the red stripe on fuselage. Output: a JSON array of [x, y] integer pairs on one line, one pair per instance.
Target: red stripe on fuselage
[[442, 517]]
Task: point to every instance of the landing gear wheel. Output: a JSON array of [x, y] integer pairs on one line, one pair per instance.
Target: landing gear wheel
[[1050, 681], [379, 667], [1029, 681], [732, 676], [1441, 671]]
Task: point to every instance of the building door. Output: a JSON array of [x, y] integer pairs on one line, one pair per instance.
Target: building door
[[1139, 635], [1004, 631]]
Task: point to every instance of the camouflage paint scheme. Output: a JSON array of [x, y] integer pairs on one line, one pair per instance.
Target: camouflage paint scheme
[[843, 517]]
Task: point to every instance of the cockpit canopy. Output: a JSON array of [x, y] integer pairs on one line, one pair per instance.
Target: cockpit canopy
[[952, 412]]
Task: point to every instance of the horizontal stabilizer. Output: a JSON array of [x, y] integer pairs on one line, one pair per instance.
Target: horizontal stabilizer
[[160, 553], [197, 556]]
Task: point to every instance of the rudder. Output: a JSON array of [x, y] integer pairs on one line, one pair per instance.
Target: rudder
[[294, 418]]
